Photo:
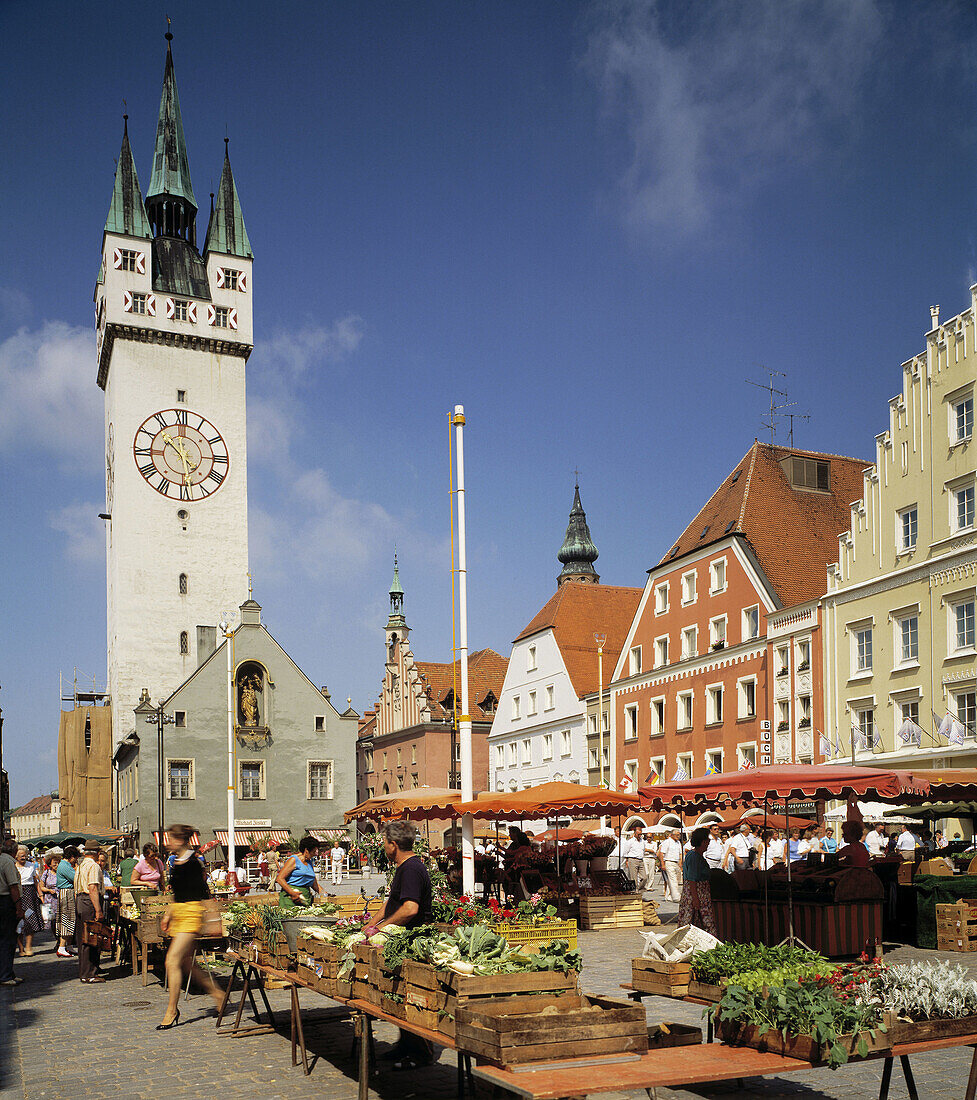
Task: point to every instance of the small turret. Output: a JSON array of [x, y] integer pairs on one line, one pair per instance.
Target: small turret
[[225, 230], [578, 552], [127, 215]]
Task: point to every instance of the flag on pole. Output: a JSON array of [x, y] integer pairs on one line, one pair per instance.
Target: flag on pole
[[825, 746], [838, 750], [680, 774], [746, 765], [859, 740], [955, 736], [656, 777], [625, 783], [711, 769], [909, 733], [942, 726]]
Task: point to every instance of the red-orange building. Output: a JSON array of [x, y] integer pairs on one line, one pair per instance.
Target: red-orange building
[[722, 665]]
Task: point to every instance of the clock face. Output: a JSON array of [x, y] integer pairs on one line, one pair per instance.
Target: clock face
[[181, 454]]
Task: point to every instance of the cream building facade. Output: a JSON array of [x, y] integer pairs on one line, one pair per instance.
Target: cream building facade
[[899, 609]]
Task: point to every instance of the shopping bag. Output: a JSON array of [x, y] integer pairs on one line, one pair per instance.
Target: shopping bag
[[97, 933], [211, 926]]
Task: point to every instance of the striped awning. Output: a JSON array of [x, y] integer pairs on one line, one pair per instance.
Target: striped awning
[[329, 834], [248, 836], [194, 840]]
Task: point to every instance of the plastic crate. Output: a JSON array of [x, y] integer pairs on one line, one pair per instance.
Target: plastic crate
[[532, 935]]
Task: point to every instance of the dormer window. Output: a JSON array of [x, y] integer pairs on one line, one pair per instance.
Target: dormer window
[[808, 473]]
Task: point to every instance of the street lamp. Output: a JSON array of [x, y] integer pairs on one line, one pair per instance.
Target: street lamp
[[600, 639], [227, 629], [156, 716]]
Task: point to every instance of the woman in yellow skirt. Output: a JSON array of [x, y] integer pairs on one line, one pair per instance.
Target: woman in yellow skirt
[[183, 920]]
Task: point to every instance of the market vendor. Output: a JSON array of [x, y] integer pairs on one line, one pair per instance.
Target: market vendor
[[696, 904], [297, 879], [854, 853]]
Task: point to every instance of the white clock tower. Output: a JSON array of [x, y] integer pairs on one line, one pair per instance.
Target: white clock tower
[[174, 336]]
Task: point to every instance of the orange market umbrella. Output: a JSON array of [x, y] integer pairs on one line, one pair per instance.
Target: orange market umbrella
[[549, 798], [422, 803]]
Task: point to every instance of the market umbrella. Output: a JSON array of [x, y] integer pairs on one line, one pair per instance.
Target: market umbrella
[[873, 812], [422, 802], [549, 798], [942, 785], [559, 834]]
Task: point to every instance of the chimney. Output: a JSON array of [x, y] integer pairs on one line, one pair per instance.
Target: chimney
[[935, 316], [206, 643]]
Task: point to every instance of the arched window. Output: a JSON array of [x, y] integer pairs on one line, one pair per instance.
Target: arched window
[[184, 643], [183, 584]]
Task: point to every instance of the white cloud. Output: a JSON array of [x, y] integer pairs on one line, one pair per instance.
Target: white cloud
[[84, 532], [48, 397], [716, 97], [15, 306], [293, 353]]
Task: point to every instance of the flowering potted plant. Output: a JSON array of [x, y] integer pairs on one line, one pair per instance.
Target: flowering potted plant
[[596, 849], [537, 910]]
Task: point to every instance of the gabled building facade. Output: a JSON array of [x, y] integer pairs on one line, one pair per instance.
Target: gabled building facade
[[721, 666], [899, 610], [539, 733], [39, 817]]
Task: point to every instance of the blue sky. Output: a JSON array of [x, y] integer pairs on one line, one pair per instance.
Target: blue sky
[[589, 223]]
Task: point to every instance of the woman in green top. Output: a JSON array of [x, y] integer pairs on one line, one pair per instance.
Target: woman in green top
[[695, 906], [297, 876]]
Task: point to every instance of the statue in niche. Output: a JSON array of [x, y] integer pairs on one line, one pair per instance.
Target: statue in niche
[[248, 691]]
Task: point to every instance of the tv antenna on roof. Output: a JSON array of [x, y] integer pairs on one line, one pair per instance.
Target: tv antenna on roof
[[776, 410]]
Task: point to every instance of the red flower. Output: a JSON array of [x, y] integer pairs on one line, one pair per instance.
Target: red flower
[[471, 912], [464, 899]]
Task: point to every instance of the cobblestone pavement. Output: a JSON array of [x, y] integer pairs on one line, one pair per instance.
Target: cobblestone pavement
[[59, 1039]]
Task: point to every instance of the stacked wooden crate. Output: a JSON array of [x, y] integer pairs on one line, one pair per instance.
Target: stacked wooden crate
[[318, 964], [956, 926], [611, 911], [664, 979]]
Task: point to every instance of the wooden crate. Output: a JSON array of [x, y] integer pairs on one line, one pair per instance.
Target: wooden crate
[[433, 1021], [613, 911], [664, 979], [706, 991], [673, 1035], [369, 956], [387, 983], [802, 1047], [467, 986], [148, 929], [918, 1031], [393, 1008], [551, 1029], [342, 989]]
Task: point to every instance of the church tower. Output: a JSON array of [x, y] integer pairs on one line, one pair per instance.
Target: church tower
[[578, 553], [173, 338]]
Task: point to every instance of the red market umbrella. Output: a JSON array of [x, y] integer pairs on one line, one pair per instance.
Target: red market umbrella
[[547, 799], [422, 802], [559, 834]]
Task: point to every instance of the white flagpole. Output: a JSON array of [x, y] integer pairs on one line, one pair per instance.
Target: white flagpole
[[228, 633], [465, 721]]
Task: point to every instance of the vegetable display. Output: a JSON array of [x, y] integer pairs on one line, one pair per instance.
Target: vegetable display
[[476, 950], [923, 991], [731, 959]]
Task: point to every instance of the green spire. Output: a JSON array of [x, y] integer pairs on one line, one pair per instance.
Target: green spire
[[396, 589], [171, 166], [396, 618], [578, 552], [127, 215], [225, 231]]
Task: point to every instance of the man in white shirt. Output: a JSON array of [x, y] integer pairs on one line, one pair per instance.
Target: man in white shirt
[[906, 844], [670, 859], [336, 856], [714, 849], [616, 856], [11, 912], [739, 850], [633, 853], [651, 860], [876, 841]]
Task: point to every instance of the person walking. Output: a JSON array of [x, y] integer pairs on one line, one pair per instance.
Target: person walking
[[183, 921], [89, 884], [336, 857], [696, 904], [49, 893], [670, 859], [633, 850], [11, 912], [30, 900], [650, 860], [274, 865], [65, 882], [297, 877]]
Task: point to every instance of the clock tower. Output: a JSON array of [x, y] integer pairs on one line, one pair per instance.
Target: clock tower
[[174, 334]]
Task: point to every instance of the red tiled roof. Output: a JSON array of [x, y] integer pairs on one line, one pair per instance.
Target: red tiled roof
[[793, 532], [486, 674], [575, 613], [39, 805]]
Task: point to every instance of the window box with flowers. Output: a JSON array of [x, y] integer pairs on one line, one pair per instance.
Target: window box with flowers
[[718, 645], [783, 725], [804, 723], [804, 666], [782, 672]]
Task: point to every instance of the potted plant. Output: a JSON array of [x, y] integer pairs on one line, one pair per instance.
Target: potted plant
[[596, 849]]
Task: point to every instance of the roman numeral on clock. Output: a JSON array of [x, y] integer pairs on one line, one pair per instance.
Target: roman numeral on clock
[[147, 470], [215, 475]]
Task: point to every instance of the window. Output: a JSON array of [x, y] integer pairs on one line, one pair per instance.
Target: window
[[631, 722], [550, 696], [717, 632], [962, 515], [566, 743], [714, 760], [661, 651], [547, 746], [803, 656], [714, 704], [130, 260], [783, 661], [906, 525], [804, 706], [631, 771], [181, 397], [180, 309], [138, 304], [384, 761], [320, 723], [500, 756], [746, 754], [592, 758], [657, 767], [231, 278], [966, 708], [368, 760], [657, 717], [962, 625], [717, 576], [252, 779], [865, 724], [684, 761], [593, 723], [783, 715], [221, 316], [688, 588], [180, 778], [634, 661], [605, 721], [747, 697], [320, 779], [516, 707], [531, 708], [962, 419], [689, 641], [661, 598], [862, 650], [413, 754], [527, 751], [684, 700], [910, 711], [907, 639], [512, 754], [751, 622], [808, 473], [400, 757], [531, 659], [183, 584], [180, 718], [184, 643]]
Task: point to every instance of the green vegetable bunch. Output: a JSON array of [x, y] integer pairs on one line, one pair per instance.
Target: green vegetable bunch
[[755, 980], [729, 959]]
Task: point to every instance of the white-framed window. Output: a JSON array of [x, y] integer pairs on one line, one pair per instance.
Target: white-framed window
[[566, 743], [803, 712], [865, 724], [531, 659], [907, 638], [661, 598], [512, 751], [221, 317], [181, 309], [714, 760], [688, 588], [661, 651], [717, 576], [685, 761], [961, 617], [179, 779], [592, 719], [516, 707], [138, 304], [746, 692], [320, 779], [684, 701], [631, 771], [690, 641], [180, 718], [231, 278], [783, 661], [550, 697], [631, 722], [906, 528], [251, 781], [962, 507], [714, 704], [803, 655], [531, 707], [606, 723], [547, 746], [656, 766], [658, 716], [592, 759], [746, 754], [751, 622], [861, 650], [130, 261], [634, 661], [717, 632], [500, 756], [783, 715], [965, 708], [962, 419], [527, 751], [909, 711]]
